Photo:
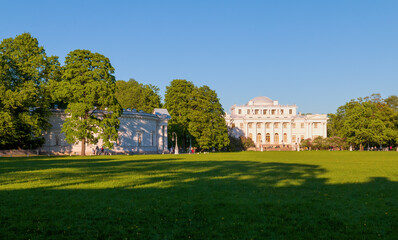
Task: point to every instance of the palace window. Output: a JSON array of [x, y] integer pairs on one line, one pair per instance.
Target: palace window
[[258, 125], [251, 136], [293, 125], [152, 138], [285, 138], [276, 138], [273, 111], [250, 125], [264, 111], [256, 111], [239, 111], [268, 125], [281, 111], [302, 125], [284, 125], [248, 111], [276, 125], [267, 138], [258, 140], [290, 111], [315, 125], [293, 138]]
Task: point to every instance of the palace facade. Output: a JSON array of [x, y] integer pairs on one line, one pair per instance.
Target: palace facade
[[272, 125], [138, 132]]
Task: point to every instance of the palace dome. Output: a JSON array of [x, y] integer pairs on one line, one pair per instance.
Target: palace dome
[[261, 101]]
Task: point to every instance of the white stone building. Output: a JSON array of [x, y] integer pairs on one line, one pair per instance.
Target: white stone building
[[272, 125], [139, 132]]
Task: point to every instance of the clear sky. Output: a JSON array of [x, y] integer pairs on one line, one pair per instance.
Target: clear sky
[[316, 54]]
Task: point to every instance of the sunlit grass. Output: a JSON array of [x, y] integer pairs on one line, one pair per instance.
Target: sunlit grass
[[282, 195]]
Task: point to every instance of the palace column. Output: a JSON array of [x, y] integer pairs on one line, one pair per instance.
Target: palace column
[[255, 134], [325, 133], [165, 139], [265, 132], [272, 133]]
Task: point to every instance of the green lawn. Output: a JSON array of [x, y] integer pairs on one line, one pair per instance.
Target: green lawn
[[250, 195]]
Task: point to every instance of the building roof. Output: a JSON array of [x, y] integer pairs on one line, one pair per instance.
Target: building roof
[[161, 113], [262, 101]]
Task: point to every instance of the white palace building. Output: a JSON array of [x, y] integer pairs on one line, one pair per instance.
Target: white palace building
[[138, 132], [271, 125]]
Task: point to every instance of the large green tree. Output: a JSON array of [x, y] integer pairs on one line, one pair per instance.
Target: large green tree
[[89, 88], [196, 114], [25, 71], [177, 102], [135, 95], [207, 124], [365, 121]]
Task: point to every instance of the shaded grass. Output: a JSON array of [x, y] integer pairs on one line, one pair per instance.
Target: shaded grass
[[270, 195]]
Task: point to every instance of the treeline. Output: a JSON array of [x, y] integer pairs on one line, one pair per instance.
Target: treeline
[[32, 83], [366, 122]]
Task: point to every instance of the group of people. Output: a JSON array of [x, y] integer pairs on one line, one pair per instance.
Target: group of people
[[99, 151]]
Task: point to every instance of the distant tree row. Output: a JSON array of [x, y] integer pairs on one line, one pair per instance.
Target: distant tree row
[[370, 121], [32, 83]]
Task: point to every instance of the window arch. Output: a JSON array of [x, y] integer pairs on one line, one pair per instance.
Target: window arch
[[258, 138], [267, 138]]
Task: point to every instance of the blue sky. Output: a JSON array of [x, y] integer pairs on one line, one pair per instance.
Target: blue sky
[[316, 54]]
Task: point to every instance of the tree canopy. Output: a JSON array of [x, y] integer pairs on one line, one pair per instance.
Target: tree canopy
[[25, 71], [368, 120], [138, 96], [196, 114], [89, 88]]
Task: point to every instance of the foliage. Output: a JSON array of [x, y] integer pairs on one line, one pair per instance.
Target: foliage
[[176, 101], [235, 144], [89, 87], [138, 96], [247, 142], [25, 70], [368, 120], [207, 124], [306, 143], [196, 113], [320, 143], [336, 142], [392, 102], [247, 195]]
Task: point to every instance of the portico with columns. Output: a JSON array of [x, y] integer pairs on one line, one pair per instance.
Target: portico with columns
[[270, 124]]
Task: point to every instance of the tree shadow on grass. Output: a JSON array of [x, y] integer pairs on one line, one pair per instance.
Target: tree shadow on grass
[[198, 200]]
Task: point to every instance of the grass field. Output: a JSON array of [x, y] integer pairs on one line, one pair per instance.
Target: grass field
[[249, 195]]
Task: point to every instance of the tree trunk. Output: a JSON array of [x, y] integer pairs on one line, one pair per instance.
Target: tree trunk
[[83, 152], [361, 147]]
